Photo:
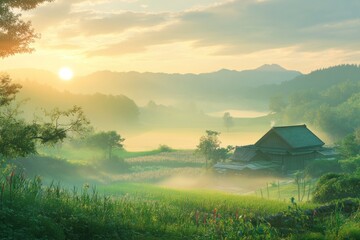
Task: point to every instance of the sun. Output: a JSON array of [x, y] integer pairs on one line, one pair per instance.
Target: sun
[[65, 74]]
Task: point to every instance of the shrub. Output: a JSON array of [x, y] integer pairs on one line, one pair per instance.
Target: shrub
[[350, 165], [336, 186], [164, 148], [311, 236], [350, 231]]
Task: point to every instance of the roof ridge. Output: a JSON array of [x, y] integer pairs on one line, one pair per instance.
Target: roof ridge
[[289, 126]]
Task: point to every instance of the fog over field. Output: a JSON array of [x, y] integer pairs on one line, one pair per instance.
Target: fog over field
[[196, 119]]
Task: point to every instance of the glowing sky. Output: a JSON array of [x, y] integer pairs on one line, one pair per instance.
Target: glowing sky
[[192, 36]]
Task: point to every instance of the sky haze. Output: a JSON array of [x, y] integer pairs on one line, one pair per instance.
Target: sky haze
[[191, 36]]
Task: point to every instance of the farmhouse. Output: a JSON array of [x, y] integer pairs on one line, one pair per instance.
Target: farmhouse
[[284, 149]]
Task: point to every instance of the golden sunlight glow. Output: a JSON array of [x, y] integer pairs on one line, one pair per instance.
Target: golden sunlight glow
[[65, 74]]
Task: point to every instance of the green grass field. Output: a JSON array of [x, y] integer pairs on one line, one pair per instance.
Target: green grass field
[[30, 210], [199, 199], [160, 195]]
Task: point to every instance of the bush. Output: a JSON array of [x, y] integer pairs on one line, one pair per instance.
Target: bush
[[350, 231], [336, 186], [310, 236], [350, 165], [164, 148]]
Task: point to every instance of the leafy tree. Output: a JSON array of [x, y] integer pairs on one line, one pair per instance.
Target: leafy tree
[[357, 135], [8, 90], [15, 34], [351, 165], [320, 167], [228, 120], [349, 146], [106, 141], [20, 138], [17, 137], [209, 147], [277, 104]]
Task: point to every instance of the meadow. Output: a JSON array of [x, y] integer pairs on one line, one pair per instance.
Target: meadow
[[31, 210], [157, 194]]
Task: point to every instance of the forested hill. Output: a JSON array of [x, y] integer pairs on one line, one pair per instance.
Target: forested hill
[[223, 86], [317, 80], [329, 99], [104, 111], [323, 78]]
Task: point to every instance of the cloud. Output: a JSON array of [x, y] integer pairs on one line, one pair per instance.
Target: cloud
[[65, 46], [246, 26], [232, 27], [116, 49], [50, 15], [71, 20], [118, 23]]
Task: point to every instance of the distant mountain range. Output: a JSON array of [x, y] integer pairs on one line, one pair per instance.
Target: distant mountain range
[[221, 86], [183, 99], [315, 81]]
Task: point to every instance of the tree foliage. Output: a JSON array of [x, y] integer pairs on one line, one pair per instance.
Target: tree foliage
[[277, 104], [349, 146], [20, 138], [327, 99], [15, 34], [209, 147], [106, 141], [336, 186], [317, 168], [8, 90], [351, 164]]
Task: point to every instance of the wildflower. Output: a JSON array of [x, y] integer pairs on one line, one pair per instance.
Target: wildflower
[[214, 214]]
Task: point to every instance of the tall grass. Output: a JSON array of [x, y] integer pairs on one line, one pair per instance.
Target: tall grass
[[300, 190], [30, 210]]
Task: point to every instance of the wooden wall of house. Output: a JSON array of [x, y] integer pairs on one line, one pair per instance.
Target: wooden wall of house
[[298, 162], [276, 157], [292, 162], [260, 157]]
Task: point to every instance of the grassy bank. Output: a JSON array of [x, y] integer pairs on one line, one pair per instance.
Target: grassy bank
[[30, 210]]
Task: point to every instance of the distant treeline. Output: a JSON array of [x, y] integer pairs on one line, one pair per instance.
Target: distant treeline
[[328, 98], [105, 111]]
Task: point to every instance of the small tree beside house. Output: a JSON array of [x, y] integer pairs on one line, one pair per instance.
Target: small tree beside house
[[209, 147]]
